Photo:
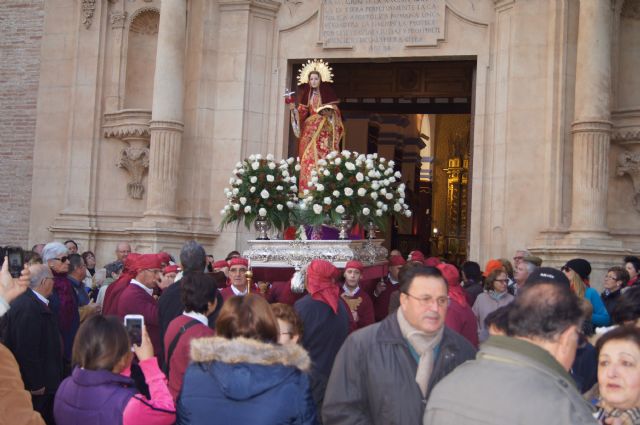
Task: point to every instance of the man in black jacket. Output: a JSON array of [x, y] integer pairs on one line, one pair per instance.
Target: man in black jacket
[[384, 373], [193, 260], [34, 339]]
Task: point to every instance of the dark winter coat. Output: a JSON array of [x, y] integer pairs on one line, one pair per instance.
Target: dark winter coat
[[373, 377], [245, 381]]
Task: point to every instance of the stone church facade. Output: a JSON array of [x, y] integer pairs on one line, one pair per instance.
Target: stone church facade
[[134, 112]]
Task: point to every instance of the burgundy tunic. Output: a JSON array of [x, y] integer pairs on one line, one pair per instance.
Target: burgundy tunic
[[362, 304]]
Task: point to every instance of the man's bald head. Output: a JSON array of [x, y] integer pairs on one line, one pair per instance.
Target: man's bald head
[[123, 249]]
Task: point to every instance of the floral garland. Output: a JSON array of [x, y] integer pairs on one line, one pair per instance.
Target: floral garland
[[262, 188], [364, 187]]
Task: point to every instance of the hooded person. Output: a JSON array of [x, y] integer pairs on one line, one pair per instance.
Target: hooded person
[[460, 317], [325, 321], [387, 286], [358, 301], [137, 297], [416, 257], [112, 295]]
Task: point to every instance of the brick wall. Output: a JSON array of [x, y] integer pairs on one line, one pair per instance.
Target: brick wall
[[21, 28]]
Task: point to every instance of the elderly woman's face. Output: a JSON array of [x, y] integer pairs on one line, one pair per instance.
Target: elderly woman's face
[[619, 374], [60, 264]]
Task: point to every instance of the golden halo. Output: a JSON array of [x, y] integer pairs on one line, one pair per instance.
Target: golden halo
[[323, 68]]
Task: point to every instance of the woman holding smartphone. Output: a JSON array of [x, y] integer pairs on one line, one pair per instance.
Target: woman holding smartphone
[[100, 390]]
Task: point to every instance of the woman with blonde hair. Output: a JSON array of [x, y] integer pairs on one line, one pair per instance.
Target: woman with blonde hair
[[577, 271]]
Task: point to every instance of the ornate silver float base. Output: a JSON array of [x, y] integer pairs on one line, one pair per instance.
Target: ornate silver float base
[[298, 253]]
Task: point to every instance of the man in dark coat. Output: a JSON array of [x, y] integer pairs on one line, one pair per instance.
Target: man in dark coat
[[193, 259], [384, 373], [34, 339], [325, 321]]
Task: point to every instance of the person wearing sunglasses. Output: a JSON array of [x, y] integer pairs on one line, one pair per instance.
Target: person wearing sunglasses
[[64, 301], [496, 296]]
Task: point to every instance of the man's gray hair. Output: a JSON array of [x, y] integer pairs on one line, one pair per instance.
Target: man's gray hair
[[39, 272], [192, 257], [53, 250]]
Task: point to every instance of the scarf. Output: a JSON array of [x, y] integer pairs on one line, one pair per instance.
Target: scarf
[[321, 284], [424, 344], [497, 295]]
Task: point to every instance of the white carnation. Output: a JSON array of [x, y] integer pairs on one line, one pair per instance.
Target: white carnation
[[252, 158], [320, 187], [255, 165], [385, 207], [247, 209], [269, 157], [397, 174], [279, 207], [290, 204], [375, 186], [391, 163], [262, 212], [326, 172], [379, 213], [407, 213], [360, 177], [389, 196], [243, 200], [335, 193], [294, 188], [270, 178], [346, 153], [366, 211], [236, 207], [317, 208], [289, 161], [293, 179], [349, 166], [264, 194], [362, 191], [371, 174], [258, 156], [297, 167], [348, 191], [235, 191], [238, 164], [279, 187], [337, 161], [374, 195], [379, 204], [229, 195], [383, 191], [252, 189], [340, 209], [322, 162], [232, 180], [397, 207], [272, 165], [253, 179], [327, 200]]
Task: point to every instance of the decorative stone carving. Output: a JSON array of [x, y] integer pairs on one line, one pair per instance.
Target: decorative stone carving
[[629, 163], [135, 160], [132, 127], [118, 19], [88, 9], [145, 21]]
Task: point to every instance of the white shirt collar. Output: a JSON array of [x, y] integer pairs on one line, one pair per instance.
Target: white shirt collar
[[237, 292], [393, 282], [197, 316], [147, 290], [348, 291], [40, 297]]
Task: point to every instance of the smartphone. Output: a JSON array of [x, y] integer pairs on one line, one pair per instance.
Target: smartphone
[[134, 324], [16, 260]]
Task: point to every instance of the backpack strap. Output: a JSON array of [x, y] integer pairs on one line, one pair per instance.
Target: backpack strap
[[174, 343]]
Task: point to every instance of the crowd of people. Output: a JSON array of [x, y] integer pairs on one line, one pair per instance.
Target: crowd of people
[[429, 343]]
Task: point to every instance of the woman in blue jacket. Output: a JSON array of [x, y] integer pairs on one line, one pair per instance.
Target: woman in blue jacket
[[243, 376], [578, 271]]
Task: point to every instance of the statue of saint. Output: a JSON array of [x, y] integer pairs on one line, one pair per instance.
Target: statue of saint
[[316, 121]]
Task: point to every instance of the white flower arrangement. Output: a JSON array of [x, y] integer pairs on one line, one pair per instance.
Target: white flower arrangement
[[262, 187]]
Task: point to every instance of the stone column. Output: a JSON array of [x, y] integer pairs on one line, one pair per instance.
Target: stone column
[[166, 125], [592, 127]]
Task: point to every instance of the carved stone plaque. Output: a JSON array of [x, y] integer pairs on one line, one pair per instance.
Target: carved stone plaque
[[381, 25]]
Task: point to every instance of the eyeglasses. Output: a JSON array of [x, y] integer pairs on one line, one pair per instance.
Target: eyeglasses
[[502, 280], [62, 259], [611, 277], [425, 301]]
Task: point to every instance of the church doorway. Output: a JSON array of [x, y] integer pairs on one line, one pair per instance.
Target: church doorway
[[419, 114]]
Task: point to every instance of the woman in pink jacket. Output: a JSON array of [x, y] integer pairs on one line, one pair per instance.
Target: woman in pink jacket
[[100, 390]]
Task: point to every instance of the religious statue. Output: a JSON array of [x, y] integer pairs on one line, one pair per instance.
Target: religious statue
[[316, 121]]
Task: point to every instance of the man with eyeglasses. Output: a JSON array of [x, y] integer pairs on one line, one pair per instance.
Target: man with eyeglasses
[[384, 373], [64, 302], [522, 378], [137, 298]]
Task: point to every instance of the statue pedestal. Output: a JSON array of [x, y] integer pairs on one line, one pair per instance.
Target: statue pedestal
[[297, 253], [276, 260]]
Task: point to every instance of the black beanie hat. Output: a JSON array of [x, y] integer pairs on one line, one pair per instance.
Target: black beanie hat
[[580, 266]]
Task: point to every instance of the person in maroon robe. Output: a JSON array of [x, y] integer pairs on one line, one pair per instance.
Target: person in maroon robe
[[238, 267], [460, 317], [360, 304], [386, 287]]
